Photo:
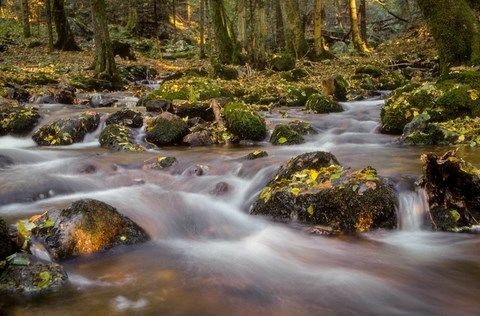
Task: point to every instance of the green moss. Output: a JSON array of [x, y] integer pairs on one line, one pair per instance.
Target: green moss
[[341, 88], [244, 123], [95, 84], [318, 103], [298, 96], [256, 155], [294, 74], [18, 120], [370, 70], [285, 135], [188, 88], [224, 72], [466, 76]]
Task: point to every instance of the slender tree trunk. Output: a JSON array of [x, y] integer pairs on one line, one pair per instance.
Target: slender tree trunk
[[259, 34], [65, 40], [363, 20], [48, 9], [356, 36], [26, 19], [242, 28], [317, 28], [279, 38], [294, 32], [105, 67], [202, 29], [455, 29], [225, 41]]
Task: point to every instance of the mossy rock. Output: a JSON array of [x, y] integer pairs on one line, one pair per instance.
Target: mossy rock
[[468, 76], [166, 129], [7, 246], [85, 227], [285, 135], [96, 84], [118, 137], [126, 117], [224, 72], [440, 101], [244, 123], [329, 195], [187, 88], [16, 119], [67, 131], [341, 87], [294, 74], [27, 275], [199, 138], [298, 96], [320, 104], [453, 190], [135, 73], [283, 62], [301, 127], [18, 93], [372, 71]]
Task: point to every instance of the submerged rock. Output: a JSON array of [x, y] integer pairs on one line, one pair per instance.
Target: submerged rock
[[126, 117], [256, 155], [285, 135], [16, 119], [453, 189], [160, 163], [101, 101], [315, 189], [320, 104], [27, 275], [118, 137], [244, 123], [68, 130], [166, 129], [85, 227]]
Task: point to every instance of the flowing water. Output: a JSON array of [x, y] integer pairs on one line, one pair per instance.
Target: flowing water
[[208, 256]]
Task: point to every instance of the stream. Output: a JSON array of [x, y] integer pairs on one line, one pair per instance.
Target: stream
[[208, 256]]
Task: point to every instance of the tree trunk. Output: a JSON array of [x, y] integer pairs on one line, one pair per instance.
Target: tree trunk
[[455, 29], [225, 41], [26, 19], [279, 38], [259, 34], [293, 28], [356, 36], [48, 9], [105, 67], [317, 29], [65, 40], [202, 29], [363, 20]]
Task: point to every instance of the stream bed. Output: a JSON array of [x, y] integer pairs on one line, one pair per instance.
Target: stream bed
[[208, 256]]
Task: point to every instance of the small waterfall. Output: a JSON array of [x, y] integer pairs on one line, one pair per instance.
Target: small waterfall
[[412, 208]]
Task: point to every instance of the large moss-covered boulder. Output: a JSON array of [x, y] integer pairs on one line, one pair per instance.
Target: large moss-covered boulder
[[68, 130], [244, 123], [283, 62], [166, 129], [187, 88], [298, 95], [118, 137], [453, 189], [16, 119], [85, 227], [27, 275], [315, 189], [320, 104], [283, 134], [7, 246], [126, 117], [442, 101]]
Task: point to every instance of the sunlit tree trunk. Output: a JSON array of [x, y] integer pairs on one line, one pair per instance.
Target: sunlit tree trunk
[[455, 30], [105, 67], [65, 40], [225, 41], [294, 32], [26, 19], [48, 9], [358, 42]]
